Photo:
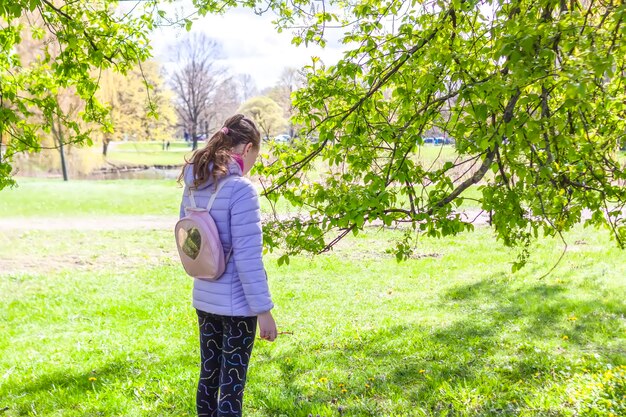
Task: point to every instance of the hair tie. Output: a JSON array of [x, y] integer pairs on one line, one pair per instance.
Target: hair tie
[[224, 130]]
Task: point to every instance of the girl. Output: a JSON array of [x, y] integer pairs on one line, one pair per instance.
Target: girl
[[230, 307]]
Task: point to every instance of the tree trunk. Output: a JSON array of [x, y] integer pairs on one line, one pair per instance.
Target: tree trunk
[[194, 138], [60, 138], [57, 133], [105, 145], [63, 166]]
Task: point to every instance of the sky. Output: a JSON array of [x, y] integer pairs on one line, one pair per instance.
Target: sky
[[250, 43]]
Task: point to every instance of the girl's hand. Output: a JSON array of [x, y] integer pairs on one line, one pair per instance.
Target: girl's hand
[[267, 326]]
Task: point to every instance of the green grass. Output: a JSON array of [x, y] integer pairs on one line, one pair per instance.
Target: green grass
[[53, 198], [99, 323], [150, 159], [148, 153], [431, 153], [150, 146], [450, 333]]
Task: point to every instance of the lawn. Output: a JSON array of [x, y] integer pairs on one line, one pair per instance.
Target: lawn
[[56, 198], [148, 153], [151, 146], [99, 323]]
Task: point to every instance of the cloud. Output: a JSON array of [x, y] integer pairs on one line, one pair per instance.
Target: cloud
[[250, 44]]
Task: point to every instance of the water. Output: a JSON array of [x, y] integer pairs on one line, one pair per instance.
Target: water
[[150, 173]]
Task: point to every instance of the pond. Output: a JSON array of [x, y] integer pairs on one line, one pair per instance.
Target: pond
[[144, 173]]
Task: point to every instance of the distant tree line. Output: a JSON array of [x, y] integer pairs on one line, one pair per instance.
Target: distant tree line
[[126, 97]]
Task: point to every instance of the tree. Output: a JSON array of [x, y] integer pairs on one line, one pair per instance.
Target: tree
[[133, 99], [248, 86], [70, 105], [196, 81], [30, 49], [290, 81], [90, 36], [224, 105], [160, 102], [533, 93], [266, 114]]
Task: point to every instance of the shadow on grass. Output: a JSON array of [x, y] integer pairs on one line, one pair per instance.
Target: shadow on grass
[[117, 388], [508, 350], [498, 350]]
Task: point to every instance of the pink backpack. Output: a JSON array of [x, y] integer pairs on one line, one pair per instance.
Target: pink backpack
[[198, 240]]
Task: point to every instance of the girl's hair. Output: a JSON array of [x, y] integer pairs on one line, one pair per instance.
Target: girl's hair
[[213, 159]]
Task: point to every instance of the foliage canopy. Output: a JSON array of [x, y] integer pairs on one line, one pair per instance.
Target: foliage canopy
[[78, 40], [533, 92]]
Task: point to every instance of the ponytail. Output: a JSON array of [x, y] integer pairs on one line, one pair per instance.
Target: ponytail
[[212, 161]]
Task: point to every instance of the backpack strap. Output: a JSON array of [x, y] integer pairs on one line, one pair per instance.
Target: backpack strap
[[220, 184], [210, 204], [192, 200]]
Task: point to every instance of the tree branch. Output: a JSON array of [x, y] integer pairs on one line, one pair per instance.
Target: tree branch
[[478, 175]]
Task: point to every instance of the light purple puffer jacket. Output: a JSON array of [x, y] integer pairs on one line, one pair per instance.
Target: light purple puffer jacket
[[243, 289]]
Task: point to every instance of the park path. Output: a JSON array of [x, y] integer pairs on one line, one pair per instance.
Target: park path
[[117, 222], [92, 253], [159, 222], [141, 222], [89, 251]]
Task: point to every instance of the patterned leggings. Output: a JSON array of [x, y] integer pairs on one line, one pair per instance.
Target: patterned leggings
[[225, 348]]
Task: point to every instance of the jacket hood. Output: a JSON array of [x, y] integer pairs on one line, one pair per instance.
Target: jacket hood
[[233, 169]]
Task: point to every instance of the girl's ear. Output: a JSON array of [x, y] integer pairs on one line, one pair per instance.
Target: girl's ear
[[247, 148]]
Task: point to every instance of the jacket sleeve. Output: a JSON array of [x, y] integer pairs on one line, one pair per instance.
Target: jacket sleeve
[[247, 244]]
